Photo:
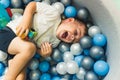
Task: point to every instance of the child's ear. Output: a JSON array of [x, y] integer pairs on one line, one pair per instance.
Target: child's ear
[[69, 20]]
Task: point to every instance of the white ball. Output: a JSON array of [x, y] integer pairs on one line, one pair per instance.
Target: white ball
[[72, 67], [76, 49], [94, 30], [61, 68], [67, 56], [3, 56], [59, 6], [81, 73]]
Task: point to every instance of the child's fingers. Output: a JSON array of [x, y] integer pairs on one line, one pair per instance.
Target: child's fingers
[[26, 32], [18, 29]]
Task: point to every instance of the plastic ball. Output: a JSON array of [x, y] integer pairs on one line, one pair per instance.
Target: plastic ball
[[67, 77], [87, 62], [90, 75], [61, 68], [66, 2], [16, 3], [44, 66], [94, 30], [53, 70], [34, 75], [45, 76], [86, 52], [64, 47], [26, 1], [67, 56], [76, 49], [83, 13], [78, 59], [99, 40], [101, 68], [96, 52], [2, 68], [16, 16], [56, 78], [3, 56], [47, 1], [5, 3], [70, 11], [59, 6], [34, 64], [81, 73], [5, 70], [86, 42], [72, 67], [56, 55]]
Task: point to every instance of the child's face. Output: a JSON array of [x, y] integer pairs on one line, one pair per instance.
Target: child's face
[[70, 30]]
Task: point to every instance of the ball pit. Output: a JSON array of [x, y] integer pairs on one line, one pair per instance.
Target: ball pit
[[103, 27]]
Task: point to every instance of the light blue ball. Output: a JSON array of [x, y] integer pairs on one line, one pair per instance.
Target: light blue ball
[[70, 11], [101, 68], [45, 76], [44, 66], [2, 68], [99, 40], [78, 59]]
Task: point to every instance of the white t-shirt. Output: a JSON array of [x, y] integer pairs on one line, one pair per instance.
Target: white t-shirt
[[45, 22]]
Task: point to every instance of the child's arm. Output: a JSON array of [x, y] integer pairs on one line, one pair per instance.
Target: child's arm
[[45, 49], [24, 26]]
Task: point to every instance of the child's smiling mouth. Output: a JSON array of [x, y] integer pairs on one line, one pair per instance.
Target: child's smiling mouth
[[64, 35]]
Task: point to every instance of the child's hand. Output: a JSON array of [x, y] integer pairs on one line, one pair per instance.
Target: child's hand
[[46, 49], [22, 30]]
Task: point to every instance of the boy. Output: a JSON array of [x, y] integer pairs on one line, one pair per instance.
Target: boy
[[46, 21]]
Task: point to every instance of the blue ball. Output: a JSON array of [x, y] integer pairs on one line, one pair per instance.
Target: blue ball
[[99, 40], [70, 11], [2, 68], [45, 76], [44, 66], [56, 78], [101, 68]]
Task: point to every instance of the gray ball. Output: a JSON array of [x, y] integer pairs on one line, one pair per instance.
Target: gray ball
[[34, 64], [86, 42], [56, 55], [34, 75], [96, 52], [66, 2], [87, 62], [64, 47], [91, 76], [26, 1], [53, 70], [16, 3], [83, 13]]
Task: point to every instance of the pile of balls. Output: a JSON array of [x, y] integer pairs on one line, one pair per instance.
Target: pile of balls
[[85, 60]]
